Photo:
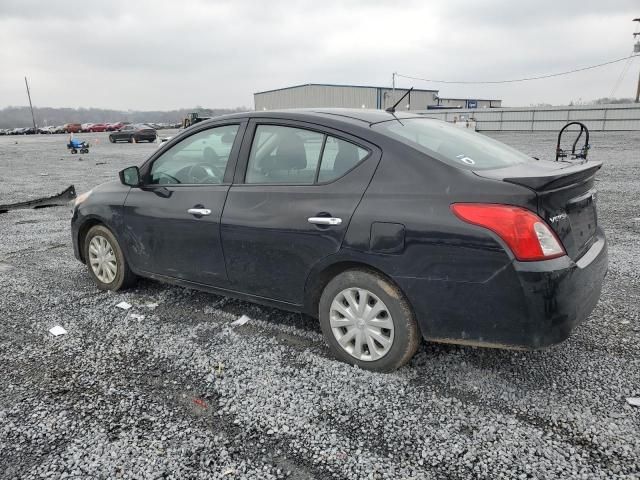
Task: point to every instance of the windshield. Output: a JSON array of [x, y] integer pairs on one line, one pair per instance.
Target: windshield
[[453, 145]]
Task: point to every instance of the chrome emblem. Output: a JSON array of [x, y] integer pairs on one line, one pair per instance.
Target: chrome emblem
[[557, 218]]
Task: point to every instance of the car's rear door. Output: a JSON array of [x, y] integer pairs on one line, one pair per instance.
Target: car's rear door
[[293, 196], [172, 223]]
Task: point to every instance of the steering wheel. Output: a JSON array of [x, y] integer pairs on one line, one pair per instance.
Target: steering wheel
[[170, 179], [204, 173]]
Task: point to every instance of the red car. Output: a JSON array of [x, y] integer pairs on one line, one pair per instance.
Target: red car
[[72, 127], [115, 127], [98, 127]]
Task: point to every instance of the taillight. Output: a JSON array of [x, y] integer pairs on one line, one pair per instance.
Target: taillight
[[526, 234]]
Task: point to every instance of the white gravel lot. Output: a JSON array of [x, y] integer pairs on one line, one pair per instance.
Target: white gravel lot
[[182, 394]]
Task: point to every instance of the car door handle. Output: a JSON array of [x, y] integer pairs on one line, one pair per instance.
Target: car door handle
[[325, 220], [199, 211]]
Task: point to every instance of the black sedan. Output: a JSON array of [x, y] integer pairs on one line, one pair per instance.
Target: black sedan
[[134, 133], [387, 228]]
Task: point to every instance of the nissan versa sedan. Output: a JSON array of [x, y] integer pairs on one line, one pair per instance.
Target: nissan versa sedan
[[386, 227]]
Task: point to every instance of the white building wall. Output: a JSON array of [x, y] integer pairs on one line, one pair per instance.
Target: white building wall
[[621, 117]]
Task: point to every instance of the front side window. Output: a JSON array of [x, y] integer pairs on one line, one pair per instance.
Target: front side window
[[198, 159], [453, 145], [284, 155]]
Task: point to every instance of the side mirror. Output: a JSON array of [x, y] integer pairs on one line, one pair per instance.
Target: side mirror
[[130, 176]]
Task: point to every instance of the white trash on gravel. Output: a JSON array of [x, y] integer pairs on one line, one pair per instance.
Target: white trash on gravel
[[241, 321], [57, 331], [634, 401], [136, 316], [124, 305]]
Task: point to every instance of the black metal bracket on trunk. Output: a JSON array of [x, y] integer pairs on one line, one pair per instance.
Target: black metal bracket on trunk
[[60, 199], [582, 152]]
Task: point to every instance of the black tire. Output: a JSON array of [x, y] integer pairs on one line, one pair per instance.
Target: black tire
[[74, 151], [406, 337], [111, 139], [132, 139], [124, 277]]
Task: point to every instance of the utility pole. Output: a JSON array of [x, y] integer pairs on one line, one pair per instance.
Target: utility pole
[[636, 49], [33, 118]]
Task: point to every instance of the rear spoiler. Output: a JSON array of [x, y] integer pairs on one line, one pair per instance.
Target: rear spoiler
[[543, 176]]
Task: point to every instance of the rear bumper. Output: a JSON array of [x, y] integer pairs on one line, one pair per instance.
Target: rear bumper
[[525, 305]]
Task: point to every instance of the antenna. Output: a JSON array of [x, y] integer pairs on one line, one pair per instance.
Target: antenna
[[393, 108]]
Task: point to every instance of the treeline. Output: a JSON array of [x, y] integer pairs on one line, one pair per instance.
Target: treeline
[[13, 117]]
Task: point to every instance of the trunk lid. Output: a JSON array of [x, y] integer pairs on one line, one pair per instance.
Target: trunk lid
[[566, 197]]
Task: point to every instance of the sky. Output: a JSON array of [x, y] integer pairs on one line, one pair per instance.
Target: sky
[[162, 55]]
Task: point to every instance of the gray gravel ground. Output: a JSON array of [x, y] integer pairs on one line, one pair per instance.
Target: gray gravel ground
[[183, 394]]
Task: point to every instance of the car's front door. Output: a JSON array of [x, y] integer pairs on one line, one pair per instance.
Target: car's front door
[[172, 223], [293, 196]]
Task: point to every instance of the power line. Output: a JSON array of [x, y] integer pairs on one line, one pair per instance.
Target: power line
[[620, 78], [517, 79]]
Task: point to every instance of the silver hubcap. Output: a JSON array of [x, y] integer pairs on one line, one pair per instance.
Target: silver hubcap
[[102, 259], [362, 324]]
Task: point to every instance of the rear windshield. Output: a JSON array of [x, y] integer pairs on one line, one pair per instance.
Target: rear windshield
[[454, 145]]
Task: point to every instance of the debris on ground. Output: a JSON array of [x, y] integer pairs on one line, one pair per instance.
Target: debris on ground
[[241, 321], [200, 402], [137, 316], [634, 401], [60, 199], [57, 331], [151, 305], [124, 305]]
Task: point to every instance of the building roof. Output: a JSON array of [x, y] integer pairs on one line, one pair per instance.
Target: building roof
[[335, 85]]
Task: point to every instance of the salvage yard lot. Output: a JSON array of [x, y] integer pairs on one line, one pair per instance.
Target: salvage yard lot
[[181, 393]]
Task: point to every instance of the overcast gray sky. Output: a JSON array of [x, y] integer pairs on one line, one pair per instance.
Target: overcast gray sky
[[144, 55]]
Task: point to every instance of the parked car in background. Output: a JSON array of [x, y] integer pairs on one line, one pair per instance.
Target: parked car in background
[[387, 227], [85, 127], [23, 131], [72, 127], [134, 133], [59, 129], [48, 130], [114, 127], [3, 131], [98, 127]]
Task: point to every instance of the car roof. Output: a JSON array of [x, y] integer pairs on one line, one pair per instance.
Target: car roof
[[348, 115]]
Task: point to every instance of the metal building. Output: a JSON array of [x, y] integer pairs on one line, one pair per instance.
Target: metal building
[[467, 103], [345, 96]]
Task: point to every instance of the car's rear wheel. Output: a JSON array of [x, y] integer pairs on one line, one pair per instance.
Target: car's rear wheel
[[367, 321], [105, 261], [111, 139]]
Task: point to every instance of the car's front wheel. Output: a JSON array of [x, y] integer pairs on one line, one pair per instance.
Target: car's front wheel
[[367, 321], [112, 139], [105, 261]]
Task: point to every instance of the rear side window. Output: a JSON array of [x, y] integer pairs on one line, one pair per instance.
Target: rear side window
[[338, 157], [453, 145], [284, 155], [288, 155]]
